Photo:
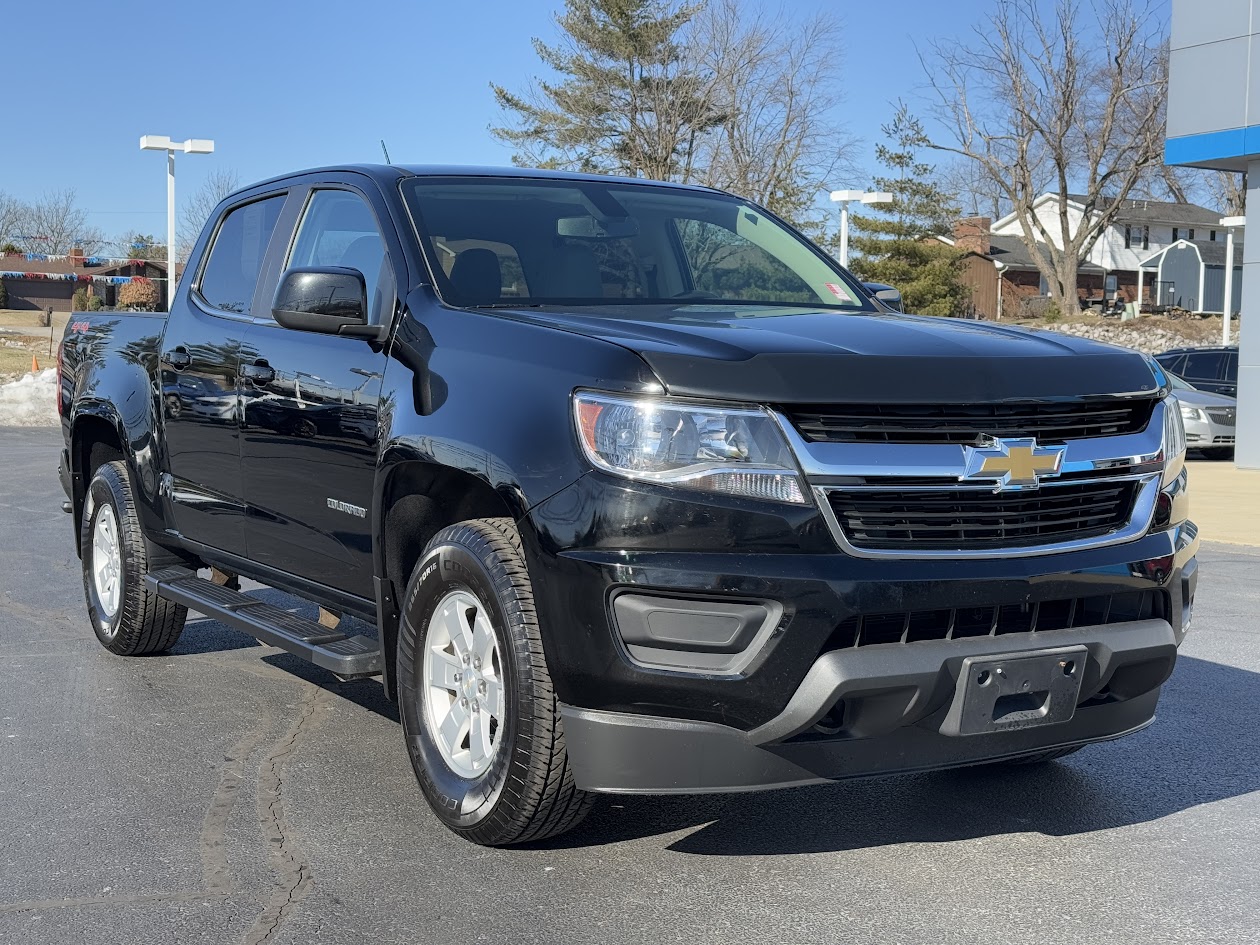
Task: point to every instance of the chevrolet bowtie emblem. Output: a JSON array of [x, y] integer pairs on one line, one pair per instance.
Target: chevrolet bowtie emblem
[[1013, 463]]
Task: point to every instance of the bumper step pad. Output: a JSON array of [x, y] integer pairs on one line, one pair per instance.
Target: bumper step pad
[[348, 656]]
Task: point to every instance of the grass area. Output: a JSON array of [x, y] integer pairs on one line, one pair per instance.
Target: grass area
[[29, 318], [15, 355]]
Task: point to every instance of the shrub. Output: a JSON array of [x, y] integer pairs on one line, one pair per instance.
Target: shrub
[[79, 300], [95, 303], [139, 294]]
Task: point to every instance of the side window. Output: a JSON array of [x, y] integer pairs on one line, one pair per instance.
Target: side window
[[1173, 363], [231, 271], [1231, 367], [338, 229], [727, 265], [1204, 365]]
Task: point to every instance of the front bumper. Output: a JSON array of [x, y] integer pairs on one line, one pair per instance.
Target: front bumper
[[1205, 434], [763, 721], [898, 697]]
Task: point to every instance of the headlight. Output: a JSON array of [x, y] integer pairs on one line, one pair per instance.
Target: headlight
[[1174, 441], [734, 451], [1192, 414]]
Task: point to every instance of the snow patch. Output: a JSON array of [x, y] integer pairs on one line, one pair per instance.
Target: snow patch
[[30, 401]]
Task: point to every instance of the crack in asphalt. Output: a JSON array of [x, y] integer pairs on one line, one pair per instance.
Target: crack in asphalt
[[216, 875], [294, 875]]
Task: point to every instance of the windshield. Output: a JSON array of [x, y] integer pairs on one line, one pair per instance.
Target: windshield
[[516, 242], [1179, 383]]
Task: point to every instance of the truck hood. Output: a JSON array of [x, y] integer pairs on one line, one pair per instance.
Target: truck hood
[[792, 355]]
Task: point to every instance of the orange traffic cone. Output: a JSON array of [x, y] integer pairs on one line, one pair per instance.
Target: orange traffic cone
[[34, 364]]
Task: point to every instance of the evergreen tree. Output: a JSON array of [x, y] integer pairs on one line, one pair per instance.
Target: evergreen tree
[[628, 102], [896, 245]]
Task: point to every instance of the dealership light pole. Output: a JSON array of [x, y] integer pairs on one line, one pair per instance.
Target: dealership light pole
[[844, 198], [1230, 224], [191, 146]]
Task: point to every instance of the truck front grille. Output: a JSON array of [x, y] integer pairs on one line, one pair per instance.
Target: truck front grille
[[1064, 614], [970, 423], [955, 519]]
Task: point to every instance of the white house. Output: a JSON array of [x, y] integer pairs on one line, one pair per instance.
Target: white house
[[1132, 248]]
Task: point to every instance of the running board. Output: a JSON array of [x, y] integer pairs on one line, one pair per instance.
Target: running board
[[348, 657]]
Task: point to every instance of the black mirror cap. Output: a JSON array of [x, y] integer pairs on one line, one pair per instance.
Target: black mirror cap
[[324, 299]]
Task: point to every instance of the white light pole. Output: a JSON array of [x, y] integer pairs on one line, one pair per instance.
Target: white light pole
[[1230, 223], [191, 146], [844, 198], [1001, 268]]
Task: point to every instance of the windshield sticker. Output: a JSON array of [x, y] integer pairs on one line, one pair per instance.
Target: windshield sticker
[[838, 292]]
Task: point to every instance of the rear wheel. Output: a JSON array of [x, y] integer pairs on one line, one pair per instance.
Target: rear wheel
[[128, 619], [480, 716]]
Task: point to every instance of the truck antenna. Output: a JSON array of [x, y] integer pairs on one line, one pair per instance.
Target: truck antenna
[[386, 150]]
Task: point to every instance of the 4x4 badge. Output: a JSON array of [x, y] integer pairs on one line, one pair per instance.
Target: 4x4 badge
[[1014, 463]]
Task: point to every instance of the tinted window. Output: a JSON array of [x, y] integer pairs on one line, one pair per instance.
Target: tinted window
[[231, 273], [1172, 362], [338, 229], [1204, 364], [1231, 366]]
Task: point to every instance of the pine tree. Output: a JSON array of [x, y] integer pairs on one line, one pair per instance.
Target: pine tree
[[627, 103], [897, 246]]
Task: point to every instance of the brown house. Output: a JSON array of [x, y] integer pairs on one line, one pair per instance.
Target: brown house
[[1001, 273], [39, 284]]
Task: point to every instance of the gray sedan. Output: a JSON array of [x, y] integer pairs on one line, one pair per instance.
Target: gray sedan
[[1209, 418]]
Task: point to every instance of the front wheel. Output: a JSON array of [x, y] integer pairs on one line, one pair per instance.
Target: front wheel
[[480, 716]]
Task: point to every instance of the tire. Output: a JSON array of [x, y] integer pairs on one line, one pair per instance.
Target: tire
[[514, 784], [1044, 756], [126, 617]]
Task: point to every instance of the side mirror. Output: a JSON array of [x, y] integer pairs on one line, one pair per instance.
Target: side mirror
[[330, 300], [891, 296]]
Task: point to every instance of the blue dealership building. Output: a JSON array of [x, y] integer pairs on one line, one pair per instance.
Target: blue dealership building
[[1214, 122]]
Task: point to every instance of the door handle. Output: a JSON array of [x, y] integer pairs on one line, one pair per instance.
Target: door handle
[[260, 372], [177, 359]]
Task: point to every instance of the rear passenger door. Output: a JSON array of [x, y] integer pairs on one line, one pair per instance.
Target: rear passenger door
[[200, 357], [1229, 379], [1204, 370], [311, 408]]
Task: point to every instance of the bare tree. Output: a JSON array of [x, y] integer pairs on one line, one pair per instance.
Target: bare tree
[[56, 225], [198, 207], [1036, 100], [11, 210], [977, 193], [773, 84], [1228, 192]]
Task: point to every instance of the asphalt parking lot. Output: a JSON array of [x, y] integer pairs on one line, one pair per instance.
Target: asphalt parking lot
[[227, 792]]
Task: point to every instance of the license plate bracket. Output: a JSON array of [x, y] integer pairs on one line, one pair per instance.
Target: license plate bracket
[[1015, 691]]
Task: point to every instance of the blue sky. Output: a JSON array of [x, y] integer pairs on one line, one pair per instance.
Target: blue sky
[[284, 85]]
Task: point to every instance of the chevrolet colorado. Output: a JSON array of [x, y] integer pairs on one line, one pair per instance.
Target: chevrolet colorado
[[640, 490]]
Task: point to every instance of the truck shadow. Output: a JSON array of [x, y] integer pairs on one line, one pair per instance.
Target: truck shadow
[[1202, 748]]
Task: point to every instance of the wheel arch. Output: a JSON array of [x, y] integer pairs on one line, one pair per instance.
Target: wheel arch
[[95, 438], [417, 500]]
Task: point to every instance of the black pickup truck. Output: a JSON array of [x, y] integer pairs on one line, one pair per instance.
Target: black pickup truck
[[640, 491]]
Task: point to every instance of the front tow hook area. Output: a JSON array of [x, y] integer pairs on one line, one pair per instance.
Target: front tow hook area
[[870, 691]]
